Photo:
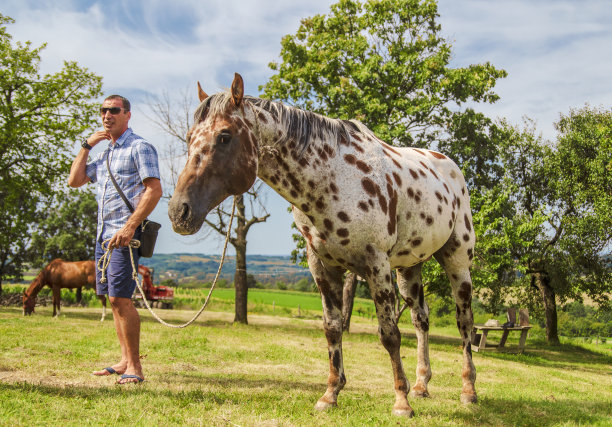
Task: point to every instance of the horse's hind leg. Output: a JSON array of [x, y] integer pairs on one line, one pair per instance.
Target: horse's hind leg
[[378, 275], [329, 281], [102, 299], [455, 257], [56, 301], [411, 289]]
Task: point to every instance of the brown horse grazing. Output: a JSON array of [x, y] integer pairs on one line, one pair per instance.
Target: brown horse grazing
[[362, 206], [62, 274]]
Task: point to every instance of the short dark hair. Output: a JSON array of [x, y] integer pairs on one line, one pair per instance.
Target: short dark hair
[[126, 103]]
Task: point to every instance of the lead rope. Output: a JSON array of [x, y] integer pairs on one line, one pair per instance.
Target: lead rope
[[105, 259]]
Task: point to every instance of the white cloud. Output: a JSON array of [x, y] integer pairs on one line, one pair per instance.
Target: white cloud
[[555, 52]]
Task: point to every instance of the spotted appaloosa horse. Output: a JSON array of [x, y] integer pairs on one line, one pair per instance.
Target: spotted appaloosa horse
[[362, 205], [60, 274]]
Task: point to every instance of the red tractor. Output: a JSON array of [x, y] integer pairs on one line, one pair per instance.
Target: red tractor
[[158, 296]]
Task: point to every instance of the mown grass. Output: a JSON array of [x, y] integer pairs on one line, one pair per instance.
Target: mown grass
[[272, 371]]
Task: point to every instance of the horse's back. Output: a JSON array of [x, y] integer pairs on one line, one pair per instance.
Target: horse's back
[[75, 274]]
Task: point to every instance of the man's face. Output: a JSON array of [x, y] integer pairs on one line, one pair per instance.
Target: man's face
[[115, 124]]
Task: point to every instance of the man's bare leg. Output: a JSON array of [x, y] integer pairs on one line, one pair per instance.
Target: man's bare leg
[[121, 366], [127, 325]]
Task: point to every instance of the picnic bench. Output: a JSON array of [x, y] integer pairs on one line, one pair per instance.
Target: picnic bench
[[479, 334]]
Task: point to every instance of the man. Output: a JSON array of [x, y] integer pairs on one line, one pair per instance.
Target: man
[[133, 163]]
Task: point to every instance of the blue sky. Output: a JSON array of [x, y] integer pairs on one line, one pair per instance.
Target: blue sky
[[557, 53]]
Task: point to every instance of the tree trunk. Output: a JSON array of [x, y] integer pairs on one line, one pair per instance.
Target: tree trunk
[[348, 298], [550, 307], [240, 276]]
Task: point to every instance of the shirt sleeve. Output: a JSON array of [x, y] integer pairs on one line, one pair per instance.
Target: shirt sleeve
[[145, 157], [91, 170]]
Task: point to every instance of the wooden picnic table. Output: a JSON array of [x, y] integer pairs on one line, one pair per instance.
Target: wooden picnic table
[[480, 332]]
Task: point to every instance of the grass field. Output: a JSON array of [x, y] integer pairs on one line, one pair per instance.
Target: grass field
[[272, 372]]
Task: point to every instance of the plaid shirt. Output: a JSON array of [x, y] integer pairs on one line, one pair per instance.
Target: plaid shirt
[[132, 160]]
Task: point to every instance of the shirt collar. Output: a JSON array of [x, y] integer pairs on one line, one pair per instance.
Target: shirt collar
[[123, 137]]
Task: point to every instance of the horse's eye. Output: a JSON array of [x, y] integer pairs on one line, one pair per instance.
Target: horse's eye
[[224, 137]]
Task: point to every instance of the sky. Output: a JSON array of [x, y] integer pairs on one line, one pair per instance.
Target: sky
[[558, 55]]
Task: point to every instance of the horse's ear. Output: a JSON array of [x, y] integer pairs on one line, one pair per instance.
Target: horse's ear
[[237, 89], [201, 94]]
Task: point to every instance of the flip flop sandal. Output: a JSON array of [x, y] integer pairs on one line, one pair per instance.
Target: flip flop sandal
[[110, 371], [126, 376]]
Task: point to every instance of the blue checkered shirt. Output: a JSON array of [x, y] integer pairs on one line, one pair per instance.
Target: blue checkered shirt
[[132, 160]]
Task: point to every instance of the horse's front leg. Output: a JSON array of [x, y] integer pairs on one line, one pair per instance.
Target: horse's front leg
[[329, 281], [56, 301]]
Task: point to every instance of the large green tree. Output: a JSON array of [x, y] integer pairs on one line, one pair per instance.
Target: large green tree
[[383, 62], [67, 230], [547, 226], [41, 117]]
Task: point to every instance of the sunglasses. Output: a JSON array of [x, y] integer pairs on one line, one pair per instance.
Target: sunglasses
[[113, 110]]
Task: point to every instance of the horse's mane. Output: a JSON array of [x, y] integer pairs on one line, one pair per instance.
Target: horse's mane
[[300, 126]]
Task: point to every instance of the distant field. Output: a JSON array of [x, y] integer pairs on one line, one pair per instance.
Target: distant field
[[259, 300]]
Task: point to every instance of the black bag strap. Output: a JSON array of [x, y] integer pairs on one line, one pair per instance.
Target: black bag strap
[[127, 202]]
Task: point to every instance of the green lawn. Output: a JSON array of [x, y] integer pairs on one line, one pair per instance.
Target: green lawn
[[272, 371]]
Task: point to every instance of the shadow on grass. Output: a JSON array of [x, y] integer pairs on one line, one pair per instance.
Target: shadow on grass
[[539, 353], [547, 411], [232, 389]]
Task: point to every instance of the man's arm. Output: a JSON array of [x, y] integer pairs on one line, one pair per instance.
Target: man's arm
[[152, 194], [77, 176]]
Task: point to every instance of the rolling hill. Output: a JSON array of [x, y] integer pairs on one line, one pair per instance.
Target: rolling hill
[[189, 267]]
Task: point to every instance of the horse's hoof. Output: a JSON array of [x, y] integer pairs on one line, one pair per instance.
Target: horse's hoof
[[419, 393], [403, 412], [323, 405], [468, 398]]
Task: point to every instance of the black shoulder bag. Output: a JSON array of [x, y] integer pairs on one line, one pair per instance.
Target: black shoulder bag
[[149, 228]]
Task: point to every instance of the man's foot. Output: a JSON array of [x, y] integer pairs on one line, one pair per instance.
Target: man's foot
[[130, 379], [108, 371]]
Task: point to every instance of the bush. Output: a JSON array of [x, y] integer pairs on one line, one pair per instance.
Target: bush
[[579, 320]]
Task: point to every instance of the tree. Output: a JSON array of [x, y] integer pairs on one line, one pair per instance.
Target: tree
[[41, 117], [67, 231], [383, 62], [549, 222], [172, 117]]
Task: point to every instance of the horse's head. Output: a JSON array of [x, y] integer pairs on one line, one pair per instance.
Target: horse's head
[[222, 158], [28, 304]]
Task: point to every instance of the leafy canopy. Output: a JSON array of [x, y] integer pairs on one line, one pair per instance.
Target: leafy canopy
[[382, 62]]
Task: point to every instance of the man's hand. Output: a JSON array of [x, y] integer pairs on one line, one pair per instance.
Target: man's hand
[[123, 237], [98, 136]]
